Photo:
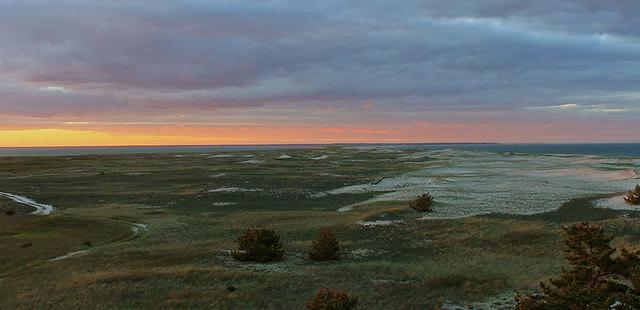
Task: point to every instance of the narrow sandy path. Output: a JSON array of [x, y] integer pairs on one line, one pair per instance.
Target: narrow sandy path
[[41, 209], [136, 230]]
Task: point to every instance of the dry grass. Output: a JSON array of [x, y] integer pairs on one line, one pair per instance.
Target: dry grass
[[181, 262]]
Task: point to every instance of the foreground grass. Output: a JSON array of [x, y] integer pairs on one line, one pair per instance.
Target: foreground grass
[[407, 266]]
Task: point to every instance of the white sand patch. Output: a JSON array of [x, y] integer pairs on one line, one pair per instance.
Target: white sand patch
[[178, 156], [295, 193], [452, 171], [326, 174], [223, 204], [592, 173], [469, 183], [233, 190], [319, 157], [148, 207], [248, 155], [432, 216], [631, 174], [284, 156], [41, 209], [31, 176], [380, 223], [616, 203], [69, 255], [386, 185], [218, 175], [502, 301], [318, 195], [137, 228], [364, 253], [252, 161], [221, 156]]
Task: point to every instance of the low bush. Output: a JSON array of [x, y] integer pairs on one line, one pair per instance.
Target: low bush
[[633, 196], [422, 203], [259, 245], [326, 299], [10, 212], [439, 304], [325, 246]]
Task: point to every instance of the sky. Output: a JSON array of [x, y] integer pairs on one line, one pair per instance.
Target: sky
[[132, 72]]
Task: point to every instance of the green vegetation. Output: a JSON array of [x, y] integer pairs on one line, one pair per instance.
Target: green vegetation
[[326, 299], [325, 246], [259, 245], [158, 231], [422, 203], [596, 280]]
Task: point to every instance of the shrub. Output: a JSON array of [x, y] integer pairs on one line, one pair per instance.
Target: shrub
[[439, 304], [326, 299], [633, 196], [422, 203], [325, 246], [597, 279], [259, 245], [10, 212]]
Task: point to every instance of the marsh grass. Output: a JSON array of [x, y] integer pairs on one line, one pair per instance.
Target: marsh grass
[[183, 261]]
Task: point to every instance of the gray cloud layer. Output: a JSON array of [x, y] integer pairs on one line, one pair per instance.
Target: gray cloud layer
[[101, 57]]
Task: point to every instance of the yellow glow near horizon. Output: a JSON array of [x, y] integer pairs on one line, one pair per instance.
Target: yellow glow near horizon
[[64, 137], [216, 135], [165, 136], [185, 135]]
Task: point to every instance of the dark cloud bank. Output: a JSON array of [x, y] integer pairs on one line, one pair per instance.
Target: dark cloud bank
[[100, 57]]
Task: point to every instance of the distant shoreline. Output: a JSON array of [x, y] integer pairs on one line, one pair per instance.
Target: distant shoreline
[[309, 144], [603, 149], [253, 144]]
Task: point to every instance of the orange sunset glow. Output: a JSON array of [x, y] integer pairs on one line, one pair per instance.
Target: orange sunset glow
[[223, 135], [241, 73]]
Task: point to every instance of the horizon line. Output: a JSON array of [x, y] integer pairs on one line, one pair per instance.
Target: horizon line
[[309, 144]]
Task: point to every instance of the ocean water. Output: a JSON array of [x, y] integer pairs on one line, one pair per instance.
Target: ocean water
[[601, 149], [612, 149]]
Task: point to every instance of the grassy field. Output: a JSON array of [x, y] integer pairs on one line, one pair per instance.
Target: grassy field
[[154, 231]]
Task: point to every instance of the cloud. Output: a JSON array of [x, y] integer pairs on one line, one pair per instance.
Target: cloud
[[52, 101], [156, 59]]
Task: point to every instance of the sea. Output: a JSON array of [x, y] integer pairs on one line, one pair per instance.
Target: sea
[[600, 149]]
